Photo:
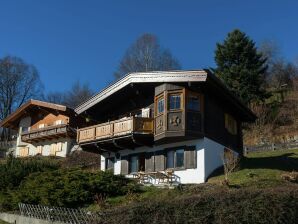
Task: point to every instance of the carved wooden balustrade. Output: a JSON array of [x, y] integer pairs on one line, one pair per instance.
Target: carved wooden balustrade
[[114, 129]]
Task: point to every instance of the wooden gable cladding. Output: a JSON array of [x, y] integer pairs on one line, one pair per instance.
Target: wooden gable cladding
[[177, 118], [50, 119]]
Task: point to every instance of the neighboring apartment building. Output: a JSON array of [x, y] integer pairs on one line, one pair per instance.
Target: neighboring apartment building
[[152, 122], [44, 128]]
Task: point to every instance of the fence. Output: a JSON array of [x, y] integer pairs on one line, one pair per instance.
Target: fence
[[273, 146], [60, 214]]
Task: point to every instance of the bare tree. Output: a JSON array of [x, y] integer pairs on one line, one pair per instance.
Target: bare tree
[[230, 163], [145, 54], [19, 82], [280, 72], [73, 97]]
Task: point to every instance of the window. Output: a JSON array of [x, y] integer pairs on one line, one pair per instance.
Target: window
[[175, 158], [174, 101], [193, 103], [24, 152], [41, 126], [53, 149], [179, 158], [25, 129], [160, 105], [133, 165], [58, 122], [59, 147], [110, 163], [39, 150], [170, 158], [231, 124]]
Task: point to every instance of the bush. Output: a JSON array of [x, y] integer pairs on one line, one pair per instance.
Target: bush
[[68, 188], [82, 159], [14, 170], [222, 205]]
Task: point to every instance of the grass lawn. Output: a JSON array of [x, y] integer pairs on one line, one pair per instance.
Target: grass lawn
[[261, 169], [2, 222]]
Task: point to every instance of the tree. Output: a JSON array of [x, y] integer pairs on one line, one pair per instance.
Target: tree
[[73, 97], [241, 67], [19, 82], [280, 73], [230, 162], [145, 54]]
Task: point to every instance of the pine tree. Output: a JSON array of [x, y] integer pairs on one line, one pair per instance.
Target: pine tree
[[241, 67]]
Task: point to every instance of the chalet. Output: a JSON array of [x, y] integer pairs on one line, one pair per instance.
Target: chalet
[[159, 123], [43, 129]]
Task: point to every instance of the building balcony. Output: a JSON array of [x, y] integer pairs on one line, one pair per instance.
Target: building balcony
[[48, 133], [126, 133]]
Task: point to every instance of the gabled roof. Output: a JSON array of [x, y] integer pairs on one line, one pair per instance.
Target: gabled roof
[[143, 77], [183, 76], [11, 120]]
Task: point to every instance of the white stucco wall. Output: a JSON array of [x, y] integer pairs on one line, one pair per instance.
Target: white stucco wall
[[67, 145], [208, 159]]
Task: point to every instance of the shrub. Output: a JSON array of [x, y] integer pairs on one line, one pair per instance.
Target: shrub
[[222, 205], [69, 188], [14, 170], [82, 159]]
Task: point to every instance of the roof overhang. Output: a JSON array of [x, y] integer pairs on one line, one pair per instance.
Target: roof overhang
[[143, 77], [188, 76], [12, 120]]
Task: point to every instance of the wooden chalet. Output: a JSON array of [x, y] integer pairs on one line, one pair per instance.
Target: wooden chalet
[[179, 121], [43, 128]]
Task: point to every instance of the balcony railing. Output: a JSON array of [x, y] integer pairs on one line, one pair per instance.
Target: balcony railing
[[117, 128], [48, 133]]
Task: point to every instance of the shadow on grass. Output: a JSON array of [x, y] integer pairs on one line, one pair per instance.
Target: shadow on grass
[[285, 162]]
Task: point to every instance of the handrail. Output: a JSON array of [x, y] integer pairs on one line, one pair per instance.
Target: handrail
[[91, 132], [44, 129]]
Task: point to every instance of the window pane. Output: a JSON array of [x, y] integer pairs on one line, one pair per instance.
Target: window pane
[[175, 102], [134, 164], [170, 159], [25, 129], [110, 163], [179, 158], [160, 105], [193, 103]]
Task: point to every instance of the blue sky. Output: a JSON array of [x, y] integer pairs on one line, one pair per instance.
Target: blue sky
[[69, 40]]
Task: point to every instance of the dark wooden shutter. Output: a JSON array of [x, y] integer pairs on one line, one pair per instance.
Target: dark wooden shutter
[[124, 165], [160, 160], [190, 156], [149, 162]]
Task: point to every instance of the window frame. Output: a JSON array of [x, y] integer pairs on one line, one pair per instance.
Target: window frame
[[175, 149], [112, 160], [130, 163], [158, 98], [192, 95], [230, 121], [175, 93]]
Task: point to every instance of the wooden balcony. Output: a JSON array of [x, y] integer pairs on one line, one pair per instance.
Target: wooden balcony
[[48, 133], [128, 129]]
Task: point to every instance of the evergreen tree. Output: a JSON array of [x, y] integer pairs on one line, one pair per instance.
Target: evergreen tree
[[241, 67]]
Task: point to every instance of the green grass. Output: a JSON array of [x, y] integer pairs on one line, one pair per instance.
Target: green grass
[[257, 170], [2, 222], [261, 169]]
